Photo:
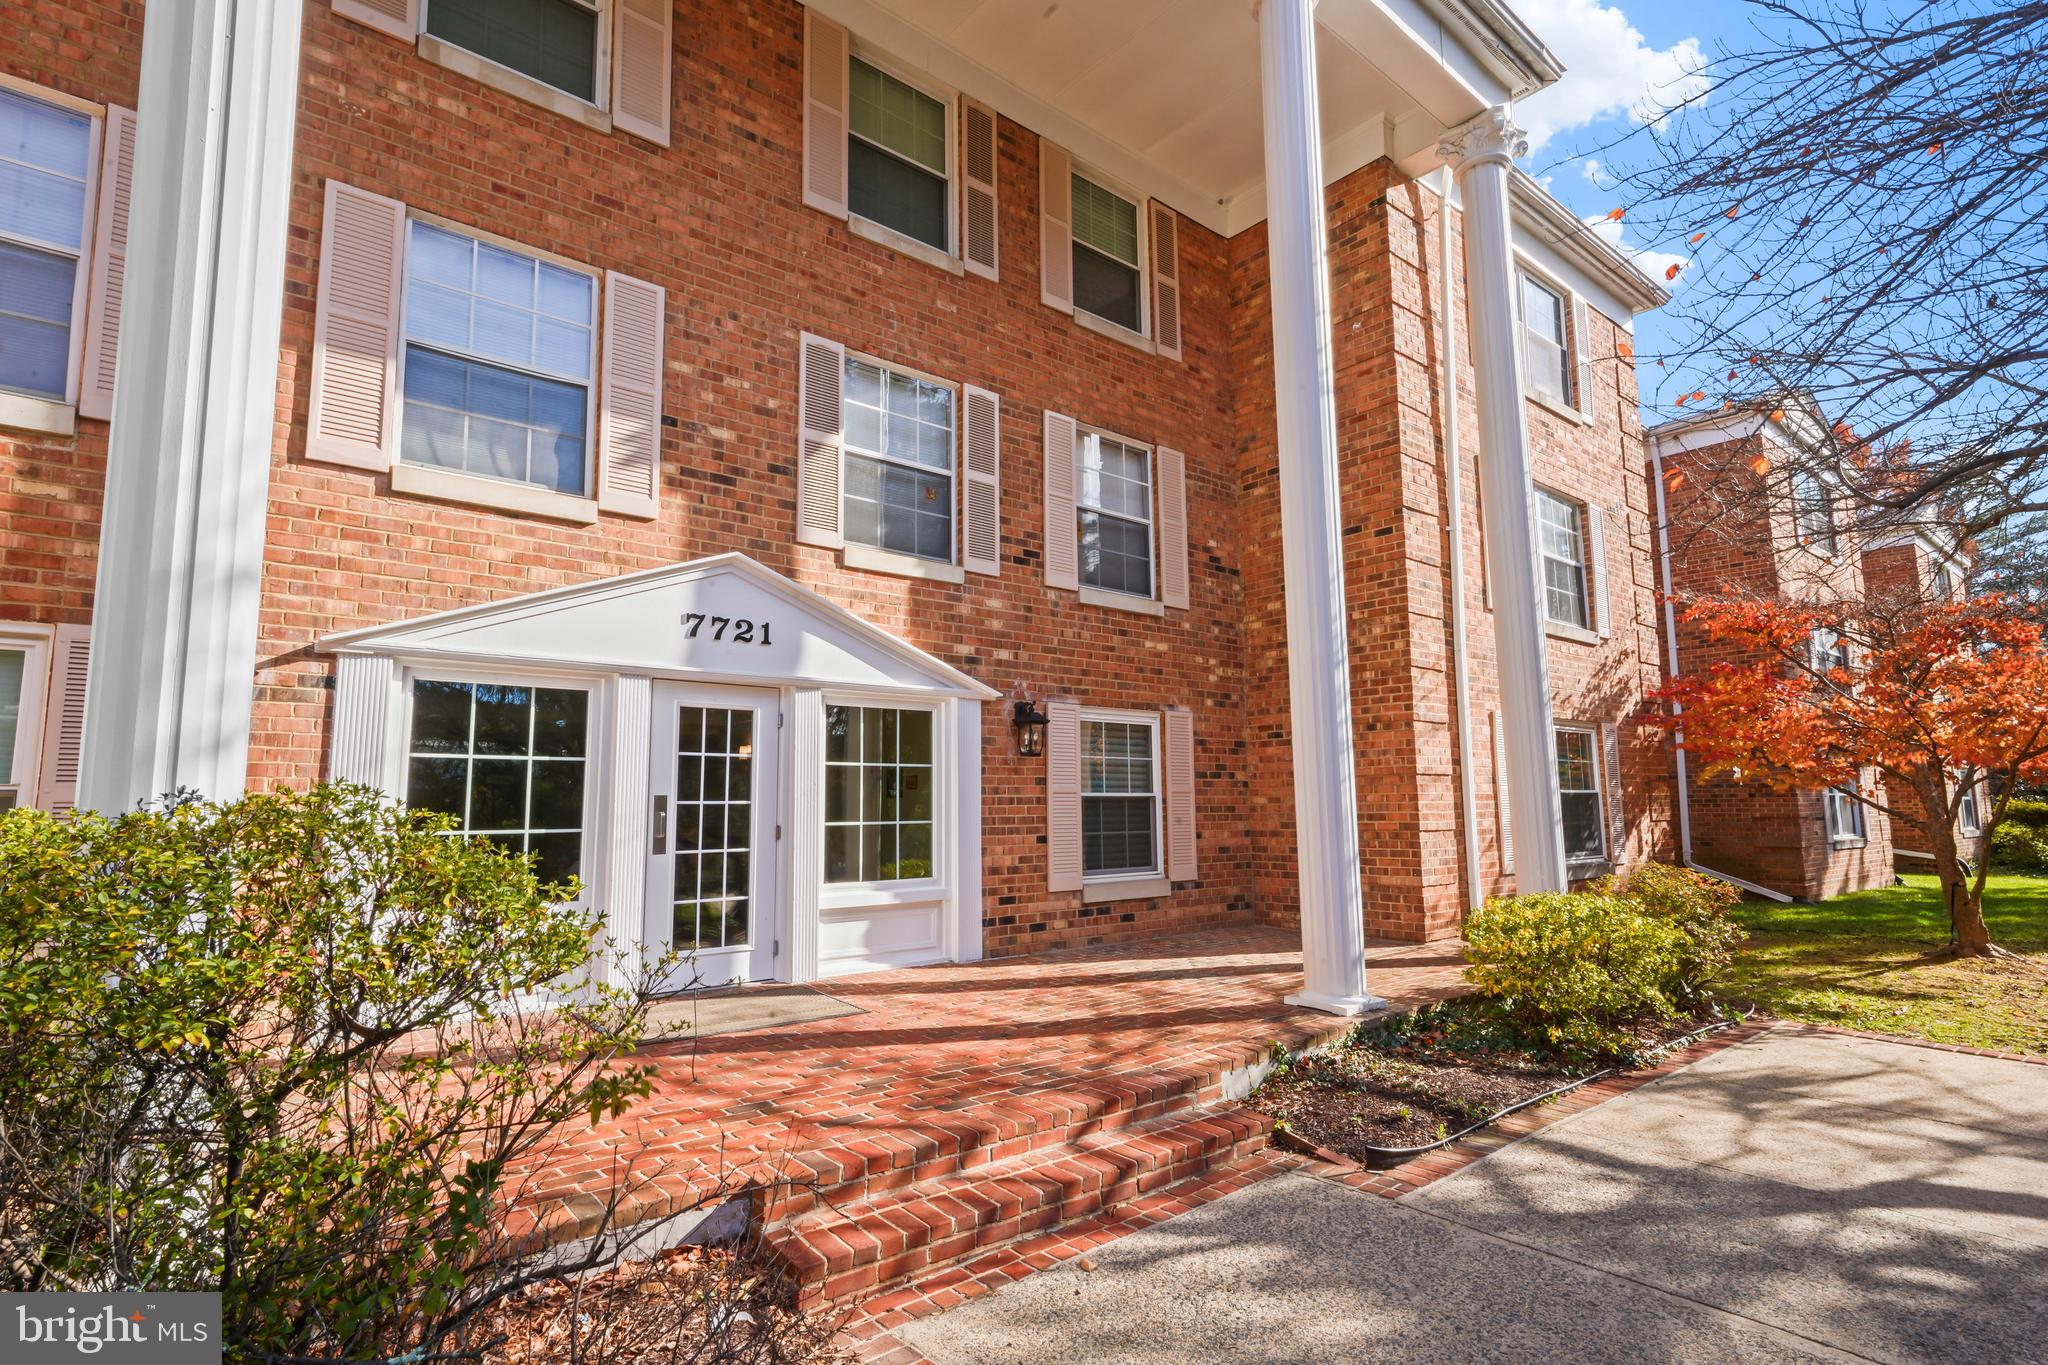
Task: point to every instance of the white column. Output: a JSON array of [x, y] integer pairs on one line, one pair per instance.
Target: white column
[[195, 400], [623, 825], [1311, 533], [804, 865], [1483, 152]]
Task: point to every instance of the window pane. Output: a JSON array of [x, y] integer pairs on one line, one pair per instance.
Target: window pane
[[898, 116], [1564, 568], [878, 785], [43, 168], [553, 41], [891, 502], [891, 191], [440, 717], [1582, 827], [1106, 221], [472, 748], [478, 299], [35, 319], [461, 414], [1542, 312], [1106, 288], [12, 663]]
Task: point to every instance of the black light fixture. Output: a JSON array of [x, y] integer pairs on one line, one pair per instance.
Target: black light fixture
[[1030, 723]]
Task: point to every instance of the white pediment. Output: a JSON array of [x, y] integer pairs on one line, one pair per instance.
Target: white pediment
[[724, 619]]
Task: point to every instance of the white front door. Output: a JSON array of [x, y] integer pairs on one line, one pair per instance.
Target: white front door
[[713, 898]]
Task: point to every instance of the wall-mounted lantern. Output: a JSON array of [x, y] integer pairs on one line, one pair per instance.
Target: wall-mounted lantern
[[1030, 723]]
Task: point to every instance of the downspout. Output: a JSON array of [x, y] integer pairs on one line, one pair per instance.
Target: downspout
[[1461, 673], [1671, 652]]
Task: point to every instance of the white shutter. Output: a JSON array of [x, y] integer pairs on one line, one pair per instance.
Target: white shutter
[[978, 175], [1503, 811], [1062, 535], [643, 51], [981, 539], [1063, 795], [109, 266], [353, 412], [1617, 839], [825, 113], [1180, 795], [1596, 557], [1582, 349], [1056, 225], [399, 18], [629, 401], [363, 688], [64, 719], [820, 423], [1165, 279], [1173, 528]]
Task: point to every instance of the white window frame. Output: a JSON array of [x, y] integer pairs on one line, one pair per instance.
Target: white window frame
[[485, 484], [594, 761], [1599, 788], [1567, 346], [1843, 815], [19, 407], [1822, 502], [34, 643], [1150, 720], [1969, 819], [595, 111], [1941, 582], [1083, 433], [948, 258], [861, 555], [1575, 629], [1083, 171], [915, 890]]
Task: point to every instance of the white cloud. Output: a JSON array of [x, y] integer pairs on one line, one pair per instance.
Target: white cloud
[[1610, 68], [1651, 263], [1595, 173]]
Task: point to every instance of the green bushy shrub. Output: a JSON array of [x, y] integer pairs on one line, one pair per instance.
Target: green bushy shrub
[[2020, 848], [2029, 813], [1577, 967], [1698, 905]]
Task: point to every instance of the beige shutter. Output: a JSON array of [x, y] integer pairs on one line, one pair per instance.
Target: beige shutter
[[1503, 813], [109, 266], [64, 719], [1165, 279], [825, 114], [820, 422], [981, 540], [1062, 535], [399, 18], [1582, 349], [1180, 795], [1617, 842], [643, 51], [629, 401], [978, 170], [1063, 795], [353, 416], [1596, 559], [1173, 528], [1055, 225]]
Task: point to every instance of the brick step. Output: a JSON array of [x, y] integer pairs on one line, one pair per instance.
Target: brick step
[[835, 1253]]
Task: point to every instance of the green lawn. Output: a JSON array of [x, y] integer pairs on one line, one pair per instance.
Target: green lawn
[[1862, 961]]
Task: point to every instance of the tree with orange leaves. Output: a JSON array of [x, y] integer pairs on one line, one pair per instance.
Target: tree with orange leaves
[[1936, 697]]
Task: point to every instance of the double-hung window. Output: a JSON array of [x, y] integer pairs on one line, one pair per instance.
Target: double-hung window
[[1578, 785], [1108, 270], [899, 461], [1119, 795], [1562, 527], [555, 42], [1968, 816], [1813, 512], [46, 155], [1114, 503], [879, 785], [24, 669], [898, 172], [1941, 584], [499, 358], [1843, 815], [1830, 652], [1546, 356]]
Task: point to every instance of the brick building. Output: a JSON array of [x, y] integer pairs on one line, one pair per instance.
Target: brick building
[[849, 488]]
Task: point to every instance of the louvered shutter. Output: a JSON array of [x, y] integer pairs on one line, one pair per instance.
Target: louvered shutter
[[1596, 556], [825, 114], [981, 540], [629, 403], [1503, 812], [1062, 534], [1180, 796], [1617, 841], [109, 266], [643, 49], [820, 441], [1582, 349], [353, 416], [1173, 528], [1165, 279], [399, 18], [1056, 225], [978, 188], [1063, 795], [64, 719]]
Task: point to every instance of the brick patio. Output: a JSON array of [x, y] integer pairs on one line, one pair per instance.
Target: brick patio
[[969, 1105]]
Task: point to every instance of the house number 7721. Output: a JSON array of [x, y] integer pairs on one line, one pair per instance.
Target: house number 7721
[[744, 631]]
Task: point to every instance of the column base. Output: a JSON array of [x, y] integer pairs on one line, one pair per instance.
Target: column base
[[1338, 1004]]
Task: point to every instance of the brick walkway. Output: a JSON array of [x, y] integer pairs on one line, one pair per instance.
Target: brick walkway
[[950, 1067]]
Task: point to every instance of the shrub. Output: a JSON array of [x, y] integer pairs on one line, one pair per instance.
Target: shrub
[[1696, 904], [2029, 813], [1576, 966], [2022, 848]]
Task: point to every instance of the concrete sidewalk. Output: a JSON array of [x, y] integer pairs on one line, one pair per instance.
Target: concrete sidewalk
[[1805, 1196]]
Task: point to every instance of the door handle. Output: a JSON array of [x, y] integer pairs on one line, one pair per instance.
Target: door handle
[[660, 825]]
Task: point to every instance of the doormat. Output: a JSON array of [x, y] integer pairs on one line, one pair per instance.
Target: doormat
[[710, 1013]]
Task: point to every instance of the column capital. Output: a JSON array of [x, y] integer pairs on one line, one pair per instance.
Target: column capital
[[1493, 136]]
